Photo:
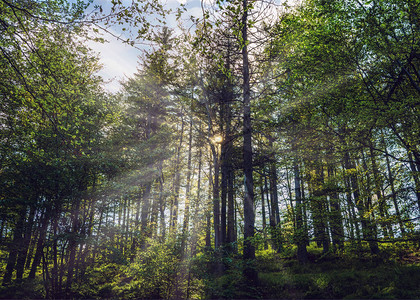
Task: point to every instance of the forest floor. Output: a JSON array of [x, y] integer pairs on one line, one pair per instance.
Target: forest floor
[[353, 274], [337, 278], [394, 274]]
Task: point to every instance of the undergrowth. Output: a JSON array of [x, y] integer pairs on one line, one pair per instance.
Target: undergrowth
[[393, 274], [157, 273]]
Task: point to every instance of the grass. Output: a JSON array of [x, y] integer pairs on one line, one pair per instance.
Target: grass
[[339, 277], [353, 274]]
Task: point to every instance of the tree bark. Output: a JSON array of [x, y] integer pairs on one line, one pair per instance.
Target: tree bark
[[223, 194], [275, 227], [231, 234], [249, 215], [186, 219], [383, 211], [216, 197], [208, 209], [23, 251], [302, 254], [15, 246], [40, 243], [415, 174], [264, 221], [366, 226], [196, 221], [73, 245], [162, 222], [177, 183], [393, 192], [144, 216], [336, 220]]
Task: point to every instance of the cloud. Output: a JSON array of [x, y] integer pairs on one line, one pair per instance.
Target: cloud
[[209, 2], [196, 12], [119, 61], [172, 2]]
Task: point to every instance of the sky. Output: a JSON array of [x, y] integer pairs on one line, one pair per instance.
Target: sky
[[120, 60]]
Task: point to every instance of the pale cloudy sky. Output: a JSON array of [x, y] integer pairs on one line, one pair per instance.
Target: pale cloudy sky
[[120, 60]]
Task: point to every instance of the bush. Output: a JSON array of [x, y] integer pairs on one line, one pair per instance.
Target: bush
[[152, 274]]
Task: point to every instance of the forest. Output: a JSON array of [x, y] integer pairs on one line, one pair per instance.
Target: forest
[[262, 150]]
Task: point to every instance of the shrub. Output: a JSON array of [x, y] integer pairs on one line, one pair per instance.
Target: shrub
[[152, 274]]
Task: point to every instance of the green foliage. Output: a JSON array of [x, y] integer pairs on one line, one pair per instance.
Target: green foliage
[[152, 274], [98, 281], [221, 275], [27, 289], [89, 177], [269, 261], [340, 277]]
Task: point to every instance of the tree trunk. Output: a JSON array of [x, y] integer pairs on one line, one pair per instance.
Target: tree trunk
[[196, 222], [291, 210], [415, 174], [305, 216], [155, 210], [73, 245], [264, 224], [336, 221], [393, 192], [324, 211], [40, 244], [186, 220], [354, 222], [302, 254], [249, 215], [177, 183], [231, 232], [23, 251], [144, 216], [208, 213], [383, 211], [370, 218], [366, 226], [15, 246], [223, 194], [274, 201], [216, 197]]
